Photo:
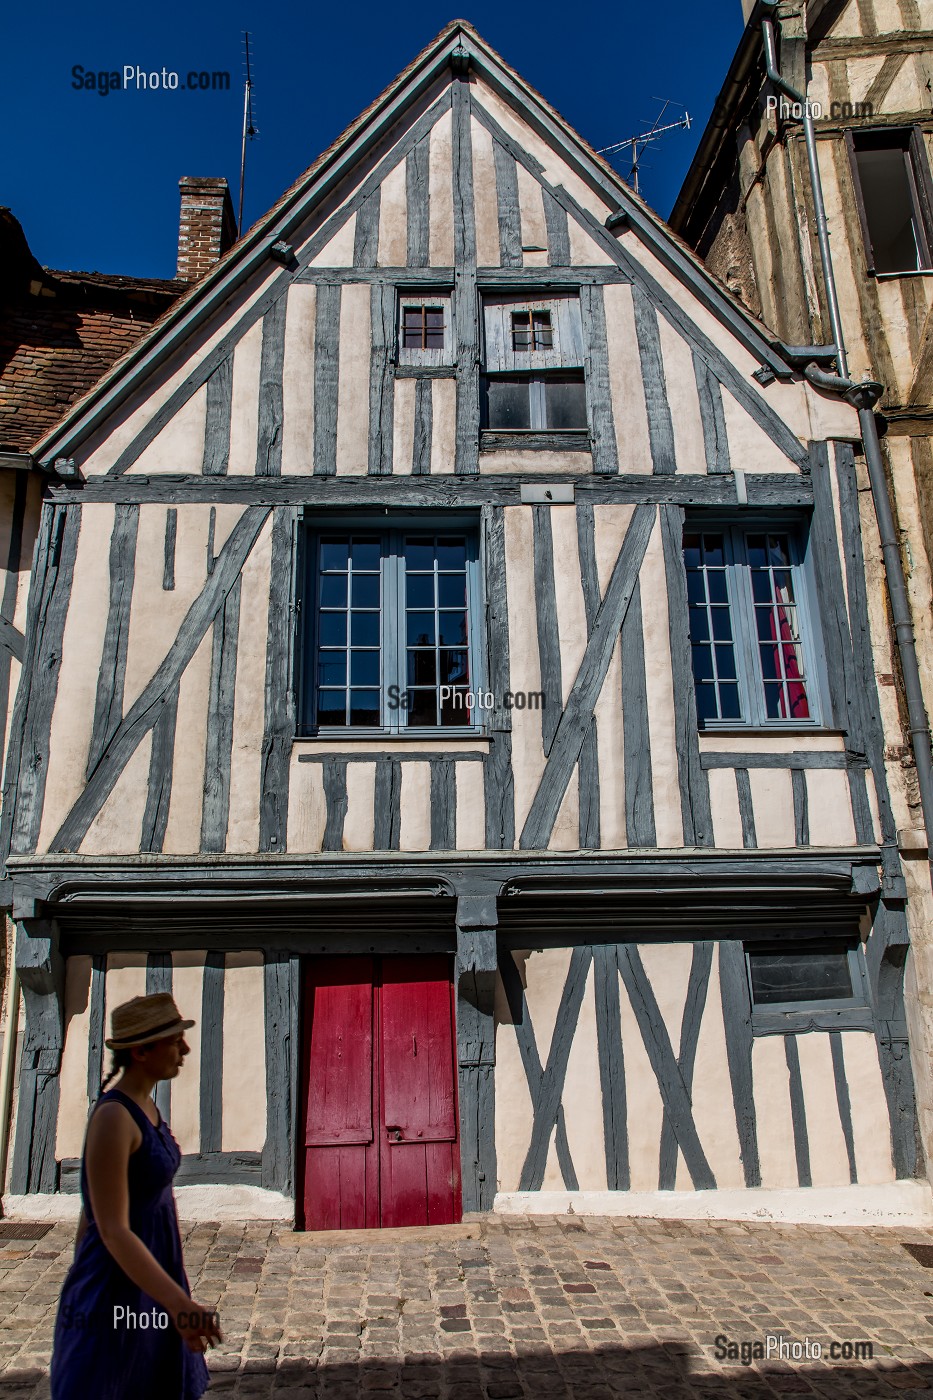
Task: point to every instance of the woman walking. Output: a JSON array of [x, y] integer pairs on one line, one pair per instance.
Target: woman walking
[[127, 1325]]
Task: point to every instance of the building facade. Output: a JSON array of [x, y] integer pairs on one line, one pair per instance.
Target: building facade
[[447, 671], [746, 206]]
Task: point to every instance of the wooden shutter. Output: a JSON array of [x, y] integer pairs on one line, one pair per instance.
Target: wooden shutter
[[566, 327]]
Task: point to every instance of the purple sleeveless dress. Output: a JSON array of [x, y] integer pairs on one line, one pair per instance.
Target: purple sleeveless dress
[[112, 1356]]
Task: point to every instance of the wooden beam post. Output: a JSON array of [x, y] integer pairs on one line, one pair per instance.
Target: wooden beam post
[[42, 977], [476, 1046]]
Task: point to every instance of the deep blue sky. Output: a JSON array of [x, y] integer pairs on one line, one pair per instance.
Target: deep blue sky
[[94, 179]]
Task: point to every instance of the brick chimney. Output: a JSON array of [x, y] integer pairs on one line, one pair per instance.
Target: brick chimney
[[206, 228]]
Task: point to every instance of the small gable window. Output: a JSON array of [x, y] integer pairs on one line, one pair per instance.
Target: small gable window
[[424, 334], [895, 199], [534, 381], [800, 985]]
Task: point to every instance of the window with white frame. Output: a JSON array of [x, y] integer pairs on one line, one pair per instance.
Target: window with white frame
[[534, 379], [425, 331], [752, 642], [394, 642]]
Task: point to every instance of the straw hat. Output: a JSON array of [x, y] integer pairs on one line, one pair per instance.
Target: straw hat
[[144, 1020]]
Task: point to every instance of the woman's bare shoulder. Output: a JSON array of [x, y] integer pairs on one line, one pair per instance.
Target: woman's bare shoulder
[[112, 1120]]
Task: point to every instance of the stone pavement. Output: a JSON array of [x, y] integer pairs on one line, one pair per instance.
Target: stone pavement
[[544, 1307]]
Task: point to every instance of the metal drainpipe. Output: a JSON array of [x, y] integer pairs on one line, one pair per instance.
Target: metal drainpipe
[[863, 397], [7, 1065]]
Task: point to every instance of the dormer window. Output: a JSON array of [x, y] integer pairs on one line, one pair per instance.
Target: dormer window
[[423, 327], [534, 383]]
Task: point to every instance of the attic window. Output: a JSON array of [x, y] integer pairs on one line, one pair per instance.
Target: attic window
[[895, 199], [531, 330], [424, 329]]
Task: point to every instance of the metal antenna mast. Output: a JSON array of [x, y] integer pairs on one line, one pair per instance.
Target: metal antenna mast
[[249, 131], [642, 141]]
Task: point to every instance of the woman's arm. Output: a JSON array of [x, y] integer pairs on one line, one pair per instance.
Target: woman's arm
[[112, 1137]]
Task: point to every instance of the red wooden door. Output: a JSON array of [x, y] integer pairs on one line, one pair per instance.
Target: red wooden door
[[380, 1143]]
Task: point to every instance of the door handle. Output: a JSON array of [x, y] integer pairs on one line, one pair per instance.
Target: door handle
[[394, 1132]]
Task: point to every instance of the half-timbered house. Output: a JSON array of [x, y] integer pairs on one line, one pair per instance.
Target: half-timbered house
[[448, 672]]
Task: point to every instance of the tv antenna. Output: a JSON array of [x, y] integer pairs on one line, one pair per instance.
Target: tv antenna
[[249, 130], [637, 145]]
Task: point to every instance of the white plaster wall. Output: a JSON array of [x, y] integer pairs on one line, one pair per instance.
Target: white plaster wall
[[72, 1103], [298, 381], [249, 698], [307, 809], [360, 819], [773, 1113], [629, 413], [443, 425], [724, 806], [773, 806], [403, 436], [244, 403], [471, 807], [179, 447], [665, 775], [353, 380], [514, 1114], [485, 200], [415, 823], [440, 187], [244, 1055], [393, 219], [525, 670], [187, 989]]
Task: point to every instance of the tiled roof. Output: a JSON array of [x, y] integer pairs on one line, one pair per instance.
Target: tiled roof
[[60, 331]]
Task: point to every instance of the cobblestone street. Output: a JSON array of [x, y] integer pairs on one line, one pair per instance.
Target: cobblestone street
[[503, 1308]]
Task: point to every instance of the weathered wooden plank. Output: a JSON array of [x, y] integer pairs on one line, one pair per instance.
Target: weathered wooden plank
[[654, 382], [588, 780], [144, 712], [95, 1031], [212, 1051], [375, 755], [211, 559], [611, 1067], [861, 807], [598, 389], [694, 1006], [216, 455], [475, 980], [497, 771], [42, 975], [636, 737], [161, 771], [335, 798], [465, 305], [275, 763], [725, 372], [543, 279], [271, 410], [277, 288], [11, 639], [108, 705], [326, 371], [417, 194], [546, 1104], [746, 809], [737, 1023], [531, 1059], [824, 549], [886, 955], [381, 380], [215, 809], [501, 488], [674, 1092], [424, 428], [387, 802], [281, 984], [509, 210], [801, 807], [546, 622], [578, 713], [558, 234], [715, 436], [799, 758], [694, 784], [798, 1112], [159, 979], [171, 537], [28, 757], [10, 586], [443, 805], [366, 233], [844, 1102]]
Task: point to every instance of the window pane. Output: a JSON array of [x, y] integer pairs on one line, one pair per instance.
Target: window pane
[[455, 669], [722, 624], [714, 667], [452, 629], [364, 591], [333, 590], [421, 629], [451, 552], [364, 707], [454, 710], [507, 403], [542, 335], [451, 590], [699, 624], [800, 975], [364, 668], [365, 554], [729, 706], [422, 707], [777, 627], [364, 629], [419, 554], [565, 399], [890, 210], [422, 667], [332, 668], [333, 554], [332, 707], [332, 629], [419, 591], [707, 707]]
